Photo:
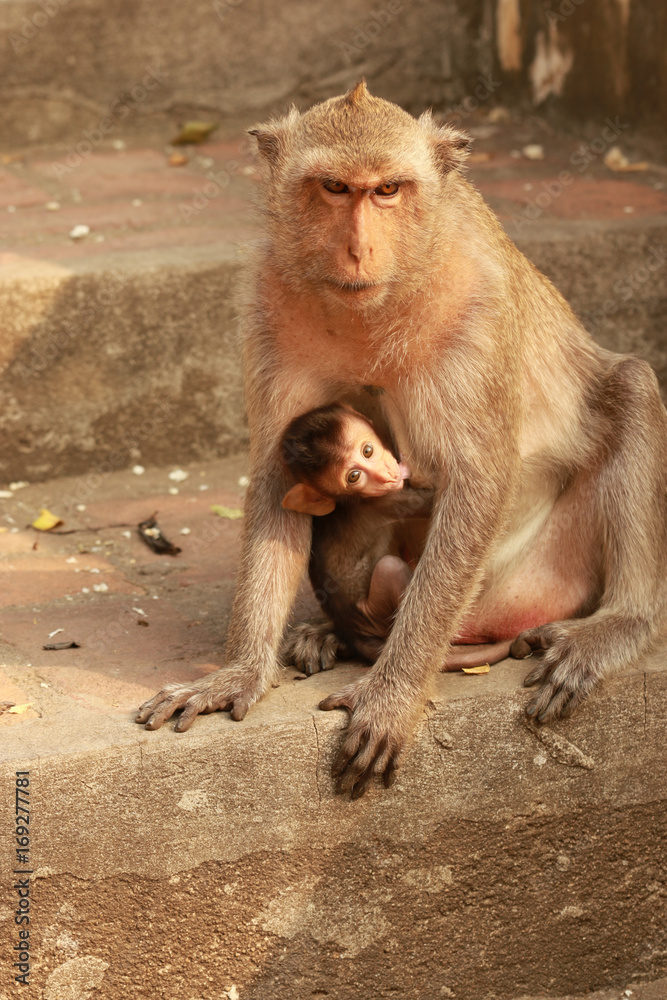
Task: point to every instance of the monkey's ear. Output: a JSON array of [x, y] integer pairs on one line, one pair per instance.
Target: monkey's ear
[[306, 500], [272, 136], [451, 145], [268, 142]]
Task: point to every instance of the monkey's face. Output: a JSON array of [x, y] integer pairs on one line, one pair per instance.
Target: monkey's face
[[362, 235], [366, 468], [356, 193]]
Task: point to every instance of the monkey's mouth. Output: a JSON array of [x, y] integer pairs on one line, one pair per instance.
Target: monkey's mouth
[[353, 286]]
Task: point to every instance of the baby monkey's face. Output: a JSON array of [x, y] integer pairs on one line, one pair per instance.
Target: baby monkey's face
[[367, 469]]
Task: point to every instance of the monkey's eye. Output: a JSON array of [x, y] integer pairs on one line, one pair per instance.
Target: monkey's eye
[[386, 190], [353, 477], [367, 450], [335, 187]]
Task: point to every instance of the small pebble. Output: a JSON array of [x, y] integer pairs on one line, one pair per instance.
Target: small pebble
[[204, 487], [99, 238], [85, 590], [100, 588], [11, 208], [628, 209], [244, 481], [126, 534], [528, 187], [52, 206], [118, 144], [173, 491], [137, 202], [178, 475], [6, 495], [21, 484], [78, 232], [72, 559], [81, 506], [186, 531], [533, 151], [138, 470]]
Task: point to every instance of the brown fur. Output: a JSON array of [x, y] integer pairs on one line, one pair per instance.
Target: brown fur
[[544, 449]]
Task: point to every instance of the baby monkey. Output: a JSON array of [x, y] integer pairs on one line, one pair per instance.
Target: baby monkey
[[344, 469]]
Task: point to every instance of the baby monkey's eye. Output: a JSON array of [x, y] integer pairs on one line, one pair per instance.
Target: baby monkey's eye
[[353, 477], [386, 190], [336, 187], [367, 450]]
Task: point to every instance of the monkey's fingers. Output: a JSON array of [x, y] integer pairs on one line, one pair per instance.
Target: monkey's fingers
[[163, 705], [342, 699], [371, 758], [198, 704]]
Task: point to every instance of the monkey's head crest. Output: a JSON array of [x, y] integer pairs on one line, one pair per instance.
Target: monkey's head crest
[[356, 96]]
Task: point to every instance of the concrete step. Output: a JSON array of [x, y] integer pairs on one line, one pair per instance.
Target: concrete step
[[504, 863], [120, 346]]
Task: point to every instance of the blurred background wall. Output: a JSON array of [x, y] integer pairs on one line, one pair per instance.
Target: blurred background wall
[[241, 59]]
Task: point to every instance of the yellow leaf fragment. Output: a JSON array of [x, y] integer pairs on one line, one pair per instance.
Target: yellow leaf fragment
[[231, 513], [19, 709], [46, 520], [482, 669]]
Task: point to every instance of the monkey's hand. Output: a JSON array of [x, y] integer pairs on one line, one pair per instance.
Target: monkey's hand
[[231, 689], [567, 670], [375, 735]]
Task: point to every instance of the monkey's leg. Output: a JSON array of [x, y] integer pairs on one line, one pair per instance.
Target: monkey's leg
[[475, 655], [631, 511]]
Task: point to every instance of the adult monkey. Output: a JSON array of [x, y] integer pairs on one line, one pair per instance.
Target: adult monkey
[[382, 266]]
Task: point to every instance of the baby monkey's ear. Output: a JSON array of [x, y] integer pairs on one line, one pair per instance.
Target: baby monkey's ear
[[307, 500]]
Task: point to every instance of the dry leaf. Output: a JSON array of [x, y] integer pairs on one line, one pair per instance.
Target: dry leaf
[[46, 520], [194, 132], [151, 532], [617, 161], [19, 709], [176, 160], [231, 513], [482, 669]]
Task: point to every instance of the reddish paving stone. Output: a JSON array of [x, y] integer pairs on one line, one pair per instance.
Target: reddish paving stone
[[37, 577], [184, 599]]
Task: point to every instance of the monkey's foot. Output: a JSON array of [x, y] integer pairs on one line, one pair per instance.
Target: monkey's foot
[[375, 736], [230, 689], [312, 646], [569, 667]]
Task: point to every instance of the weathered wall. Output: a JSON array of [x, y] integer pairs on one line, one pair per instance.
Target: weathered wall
[[68, 64]]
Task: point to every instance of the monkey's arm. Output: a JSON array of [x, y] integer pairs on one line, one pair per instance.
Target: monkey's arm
[[468, 514], [275, 549]]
